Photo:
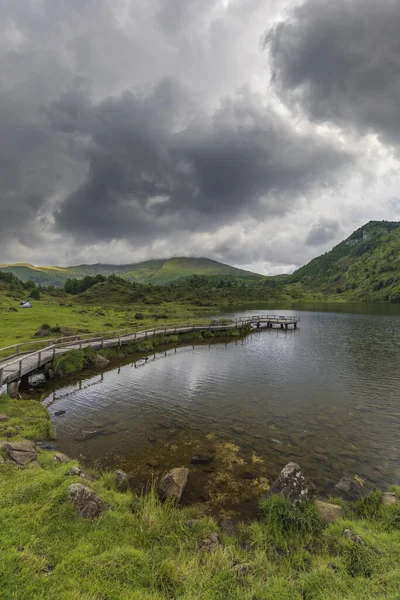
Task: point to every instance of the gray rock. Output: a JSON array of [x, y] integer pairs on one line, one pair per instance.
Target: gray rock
[[227, 526], [121, 480], [86, 502], [3, 418], [61, 458], [173, 484], [202, 459], [22, 452], [293, 484], [349, 489], [211, 543], [350, 535], [100, 362], [329, 512], [389, 498]]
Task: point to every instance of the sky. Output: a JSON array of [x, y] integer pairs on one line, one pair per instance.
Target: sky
[[259, 133]]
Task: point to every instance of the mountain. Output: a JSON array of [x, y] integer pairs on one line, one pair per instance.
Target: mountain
[[365, 266], [158, 272]]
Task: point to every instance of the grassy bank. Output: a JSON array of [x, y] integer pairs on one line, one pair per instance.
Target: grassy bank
[[141, 549]]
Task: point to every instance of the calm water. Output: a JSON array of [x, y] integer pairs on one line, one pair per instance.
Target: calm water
[[326, 396]]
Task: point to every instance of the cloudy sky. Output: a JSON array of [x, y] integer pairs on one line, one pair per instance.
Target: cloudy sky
[[255, 132]]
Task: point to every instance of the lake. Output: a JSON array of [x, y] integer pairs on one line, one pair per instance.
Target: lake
[[326, 395]]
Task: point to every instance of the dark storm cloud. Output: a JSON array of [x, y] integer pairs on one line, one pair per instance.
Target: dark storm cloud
[[340, 60], [323, 231], [157, 164]]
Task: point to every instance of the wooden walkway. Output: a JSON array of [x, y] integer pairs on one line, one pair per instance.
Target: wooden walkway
[[26, 358]]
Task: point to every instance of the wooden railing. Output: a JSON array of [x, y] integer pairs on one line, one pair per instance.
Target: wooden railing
[[48, 350]]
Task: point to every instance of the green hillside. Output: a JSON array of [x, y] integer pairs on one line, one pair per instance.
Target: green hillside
[[159, 272], [365, 266]]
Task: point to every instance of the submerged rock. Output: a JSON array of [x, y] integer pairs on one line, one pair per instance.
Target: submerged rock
[[329, 512], [48, 446], [121, 480], [153, 462], [202, 459], [293, 484], [22, 453], [349, 489], [59, 413], [87, 503], [173, 484], [100, 362]]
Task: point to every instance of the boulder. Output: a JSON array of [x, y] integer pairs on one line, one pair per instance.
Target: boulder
[[61, 458], [389, 498], [329, 512], [22, 452], [202, 459], [3, 418], [100, 362], [86, 502], [173, 484], [349, 489], [293, 484], [121, 480], [211, 543]]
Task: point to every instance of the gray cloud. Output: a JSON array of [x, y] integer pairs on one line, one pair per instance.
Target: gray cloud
[[157, 163], [323, 231], [340, 61]]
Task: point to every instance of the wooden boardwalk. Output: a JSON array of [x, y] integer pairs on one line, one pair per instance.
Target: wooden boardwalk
[[26, 358]]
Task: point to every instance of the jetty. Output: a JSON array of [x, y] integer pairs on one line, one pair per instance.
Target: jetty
[[20, 361]]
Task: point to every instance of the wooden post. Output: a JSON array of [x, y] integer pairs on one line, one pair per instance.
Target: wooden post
[[20, 369], [1, 376]]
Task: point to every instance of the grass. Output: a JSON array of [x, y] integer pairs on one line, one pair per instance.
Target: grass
[[141, 549]]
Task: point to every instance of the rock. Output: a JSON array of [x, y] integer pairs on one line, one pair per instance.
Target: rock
[[164, 425], [100, 362], [238, 430], [173, 484], [121, 480], [87, 503], [22, 452], [139, 316], [88, 434], [75, 472], [227, 526], [18, 428], [152, 439], [3, 418], [293, 484], [61, 458], [211, 543], [59, 413], [275, 441], [153, 462], [350, 535], [333, 566], [242, 569], [48, 446], [329, 512], [202, 459], [193, 522], [389, 498], [349, 489]]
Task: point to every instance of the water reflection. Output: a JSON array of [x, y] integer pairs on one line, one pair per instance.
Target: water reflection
[[326, 395]]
